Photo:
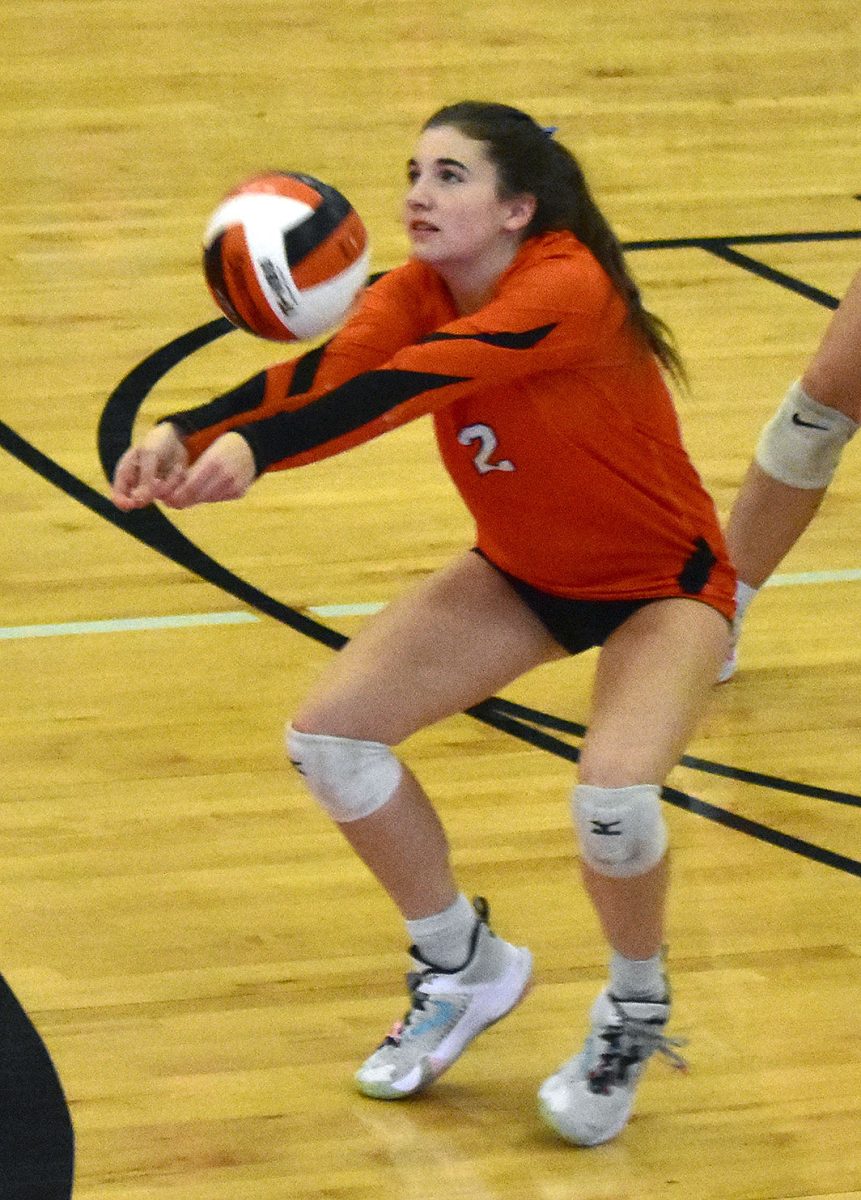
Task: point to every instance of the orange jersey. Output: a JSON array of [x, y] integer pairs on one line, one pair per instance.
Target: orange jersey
[[551, 416]]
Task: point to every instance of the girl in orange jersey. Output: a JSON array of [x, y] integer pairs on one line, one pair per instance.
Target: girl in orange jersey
[[516, 325]]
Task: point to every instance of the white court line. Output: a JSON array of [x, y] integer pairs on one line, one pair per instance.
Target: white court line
[[806, 577], [192, 620], [345, 610], [126, 624]]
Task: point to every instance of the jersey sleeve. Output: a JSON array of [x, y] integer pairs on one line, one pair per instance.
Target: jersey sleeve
[[248, 401], [369, 338], [539, 320]]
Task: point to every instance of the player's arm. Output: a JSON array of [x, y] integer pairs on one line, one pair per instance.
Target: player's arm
[[506, 341], [383, 321], [216, 451], [155, 467], [252, 399], [415, 381], [510, 338]]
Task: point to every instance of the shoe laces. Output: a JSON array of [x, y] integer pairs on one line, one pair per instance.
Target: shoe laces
[[418, 999], [415, 979], [629, 1043]]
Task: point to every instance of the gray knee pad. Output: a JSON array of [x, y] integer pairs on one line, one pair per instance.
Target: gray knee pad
[[350, 778], [803, 442], [621, 830]]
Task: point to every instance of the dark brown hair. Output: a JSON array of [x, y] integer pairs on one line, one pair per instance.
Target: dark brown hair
[[529, 160]]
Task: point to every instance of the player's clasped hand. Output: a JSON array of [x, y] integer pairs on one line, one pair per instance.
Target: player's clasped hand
[[223, 472], [155, 463], [157, 469]]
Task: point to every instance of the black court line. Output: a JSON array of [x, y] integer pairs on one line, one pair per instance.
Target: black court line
[[500, 719], [745, 239], [152, 528], [37, 1142], [534, 716], [755, 267], [37, 1145], [724, 247]]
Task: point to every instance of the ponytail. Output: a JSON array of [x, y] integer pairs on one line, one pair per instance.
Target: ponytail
[[529, 160]]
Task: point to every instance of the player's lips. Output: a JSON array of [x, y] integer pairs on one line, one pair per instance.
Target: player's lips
[[423, 227]]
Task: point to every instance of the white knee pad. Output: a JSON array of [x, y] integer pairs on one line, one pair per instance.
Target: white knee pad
[[350, 778], [622, 831], [802, 443]]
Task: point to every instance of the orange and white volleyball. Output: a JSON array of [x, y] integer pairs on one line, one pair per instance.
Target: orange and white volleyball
[[285, 256]]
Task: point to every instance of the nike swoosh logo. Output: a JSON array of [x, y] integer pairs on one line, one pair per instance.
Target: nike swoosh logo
[[441, 1015], [796, 420]]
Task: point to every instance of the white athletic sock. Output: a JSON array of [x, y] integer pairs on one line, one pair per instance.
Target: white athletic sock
[[443, 939], [637, 978], [744, 593]]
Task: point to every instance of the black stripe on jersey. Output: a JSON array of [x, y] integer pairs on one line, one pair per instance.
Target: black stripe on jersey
[[505, 341], [308, 365], [694, 575], [305, 371], [248, 396], [340, 411]]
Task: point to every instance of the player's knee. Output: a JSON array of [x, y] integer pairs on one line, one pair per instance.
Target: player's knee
[[803, 442], [350, 778], [621, 830]]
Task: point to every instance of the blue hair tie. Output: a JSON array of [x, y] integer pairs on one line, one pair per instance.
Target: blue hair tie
[[549, 130]]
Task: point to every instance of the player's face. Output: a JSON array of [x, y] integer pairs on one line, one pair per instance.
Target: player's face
[[452, 212]]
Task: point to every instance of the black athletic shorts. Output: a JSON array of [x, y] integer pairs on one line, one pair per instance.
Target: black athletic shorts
[[576, 625]]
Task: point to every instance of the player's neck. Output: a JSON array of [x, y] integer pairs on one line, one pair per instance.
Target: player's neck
[[473, 284]]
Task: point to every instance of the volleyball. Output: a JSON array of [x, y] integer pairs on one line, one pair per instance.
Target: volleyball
[[285, 256]]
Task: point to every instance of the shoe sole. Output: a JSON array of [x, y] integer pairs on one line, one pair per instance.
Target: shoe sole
[[587, 1135], [552, 1122], [476, 1019]]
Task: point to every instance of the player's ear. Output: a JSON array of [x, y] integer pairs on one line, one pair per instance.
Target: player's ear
[[520, 210]]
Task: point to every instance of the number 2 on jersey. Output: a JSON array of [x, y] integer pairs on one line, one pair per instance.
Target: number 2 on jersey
[[488, 442]]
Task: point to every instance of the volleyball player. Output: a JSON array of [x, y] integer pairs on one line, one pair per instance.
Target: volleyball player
[[516, 324]]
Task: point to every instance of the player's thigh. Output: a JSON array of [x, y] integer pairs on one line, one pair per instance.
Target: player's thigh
[[447, 644], [653, 681]]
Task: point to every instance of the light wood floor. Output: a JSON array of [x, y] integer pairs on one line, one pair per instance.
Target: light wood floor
[[204, 961]]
